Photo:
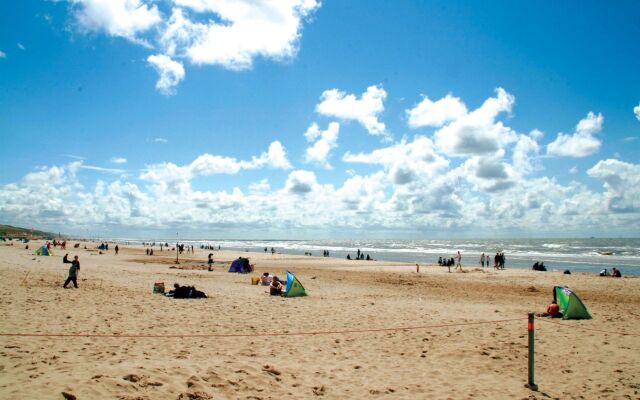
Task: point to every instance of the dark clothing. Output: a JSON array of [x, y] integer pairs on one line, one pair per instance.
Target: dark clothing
[[71, 279]]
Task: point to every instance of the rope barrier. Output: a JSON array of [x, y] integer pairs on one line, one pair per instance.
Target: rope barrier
[[205, 335], [589, 329]]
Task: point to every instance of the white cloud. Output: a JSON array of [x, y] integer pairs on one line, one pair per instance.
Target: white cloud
[[123, 18], [478, 132], [246, 29], [102, 169], [301, 182], [21, 46], [171, 73], [325, 141], [229, 33], [118, 160], [260, 187], [160, 140], [573, 170], [525, 152], [3, 54], [636, 111], [365, 110], [582, 143], [430, 113], [622, 182], [174, 179], [405, 162]]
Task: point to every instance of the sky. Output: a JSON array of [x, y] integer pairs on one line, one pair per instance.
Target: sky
[[301, 119]]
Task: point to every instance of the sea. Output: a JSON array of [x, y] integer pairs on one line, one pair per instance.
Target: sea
[[576, 255]]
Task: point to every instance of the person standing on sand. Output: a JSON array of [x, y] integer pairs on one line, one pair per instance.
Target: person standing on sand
[[459, 261], [482, 260], [73, 273], [117, 249]]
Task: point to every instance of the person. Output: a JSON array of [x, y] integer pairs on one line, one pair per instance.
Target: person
[[185, 292], [459, 261], [604, 272], [616, 273], [272, 250], [73, 273], [266, 279], [553, 310], [348, 256], [418, 268], [117, 249], [210, 261], [151, 252], [147, 251], [440, 260], [65, 259], [482, 260], [275, 288]]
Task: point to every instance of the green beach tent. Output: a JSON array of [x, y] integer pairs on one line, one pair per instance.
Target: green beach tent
[[294, 287], [570, 304], [43, 251]]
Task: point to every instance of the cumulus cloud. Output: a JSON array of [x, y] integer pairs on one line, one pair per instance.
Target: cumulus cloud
[[301, 182], [582, 142], [404, 162], [636, 111], [365, 110], [525, 153], [118, 160], [478, 132], [123, 18], [175, 179], [436, 113], [323, 143], [228, 33], [3, 54], [622, 184], [246, 29], [171, 73]]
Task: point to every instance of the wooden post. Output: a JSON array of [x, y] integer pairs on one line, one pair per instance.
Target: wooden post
[[530, 327]]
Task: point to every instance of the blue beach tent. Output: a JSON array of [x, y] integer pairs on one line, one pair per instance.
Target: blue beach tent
[[241, 265]]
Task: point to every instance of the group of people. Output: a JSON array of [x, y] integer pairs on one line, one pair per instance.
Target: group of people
[[498, 260], [185, 292], [450, 262], [273, 251], [359, 256], [615, 273], [538, 266]]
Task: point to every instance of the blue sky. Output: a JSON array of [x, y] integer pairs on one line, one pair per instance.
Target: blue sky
[[134, 117]]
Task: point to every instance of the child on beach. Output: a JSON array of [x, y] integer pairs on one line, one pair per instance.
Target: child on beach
[[73, 273]]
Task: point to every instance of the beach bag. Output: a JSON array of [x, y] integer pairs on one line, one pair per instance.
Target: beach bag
[[158, 287], [254, 280]]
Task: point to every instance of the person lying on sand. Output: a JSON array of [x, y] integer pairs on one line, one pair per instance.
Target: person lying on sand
[[185, 292]]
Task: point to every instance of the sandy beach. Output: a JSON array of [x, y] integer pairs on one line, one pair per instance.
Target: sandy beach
[[465, 336]]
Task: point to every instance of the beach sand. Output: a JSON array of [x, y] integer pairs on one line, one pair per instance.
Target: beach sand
[[452, 351]]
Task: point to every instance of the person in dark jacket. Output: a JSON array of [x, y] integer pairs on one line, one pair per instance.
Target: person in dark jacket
[[74, 270]]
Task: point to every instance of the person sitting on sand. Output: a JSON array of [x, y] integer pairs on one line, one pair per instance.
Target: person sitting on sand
[[266, 279], [275, 288], [616, 273], [553, 310], [604, 272]]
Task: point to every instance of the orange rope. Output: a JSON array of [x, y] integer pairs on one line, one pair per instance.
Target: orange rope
[[588, 329], [201, 335]]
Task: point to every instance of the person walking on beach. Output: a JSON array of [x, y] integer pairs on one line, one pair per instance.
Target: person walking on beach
[[459, 261], [73, 273], [117, 249], [482, 260]]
